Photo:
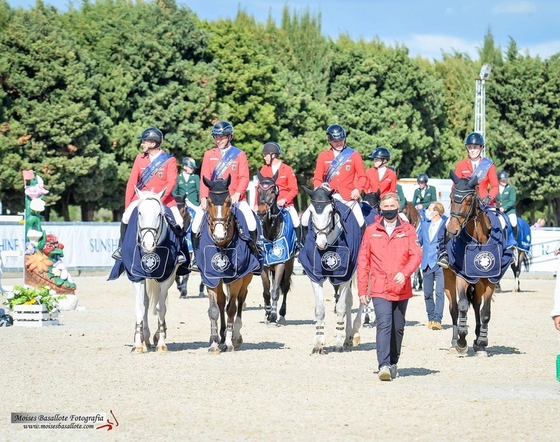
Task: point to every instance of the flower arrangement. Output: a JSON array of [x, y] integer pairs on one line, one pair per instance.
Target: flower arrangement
[[33, 296], [43, 253]]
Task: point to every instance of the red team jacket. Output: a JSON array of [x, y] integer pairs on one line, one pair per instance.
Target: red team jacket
[[286, 182], [388, 184], [238, 170], [352, 174], [464, 169], [165, 178], [381, 257]]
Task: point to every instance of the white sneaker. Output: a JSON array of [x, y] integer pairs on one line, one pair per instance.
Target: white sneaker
[[385, 373]]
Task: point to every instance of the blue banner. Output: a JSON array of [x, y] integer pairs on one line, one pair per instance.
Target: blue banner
[[337, 163], [151, 170], [224, 163]]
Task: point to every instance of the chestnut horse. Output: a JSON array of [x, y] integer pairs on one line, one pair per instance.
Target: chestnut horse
[[469, 220], [272, 219], [219, 259]]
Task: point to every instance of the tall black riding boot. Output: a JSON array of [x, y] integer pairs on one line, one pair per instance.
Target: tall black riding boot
[[117, 254], [195, 239], [443, 260], [253, 242], [299, 237]]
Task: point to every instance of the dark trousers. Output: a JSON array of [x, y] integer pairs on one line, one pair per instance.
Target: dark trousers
[[434, 298], [390, 317]]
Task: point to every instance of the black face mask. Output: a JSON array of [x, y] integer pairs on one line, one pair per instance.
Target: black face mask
[[390, 215]]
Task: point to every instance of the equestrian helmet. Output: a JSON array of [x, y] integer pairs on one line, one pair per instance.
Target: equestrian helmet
[[474, 138], [271, 147], [189, 162], [503, 175], [422, 178], [152, 134], [382, 153], [222, 128], [335, 132]]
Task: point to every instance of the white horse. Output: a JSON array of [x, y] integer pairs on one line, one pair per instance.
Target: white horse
[[321, 260], [152, 231]]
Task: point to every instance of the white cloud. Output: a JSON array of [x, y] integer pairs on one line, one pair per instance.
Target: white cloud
[[543, 50], [431, 46], [514, 8]]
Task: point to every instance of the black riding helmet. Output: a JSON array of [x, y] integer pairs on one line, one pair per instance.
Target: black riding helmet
[[474, 138], [381, 153], [152, 134], [272, 147], [189, 162], [335, 132], [503, 175], [222, 128], [422, 178]]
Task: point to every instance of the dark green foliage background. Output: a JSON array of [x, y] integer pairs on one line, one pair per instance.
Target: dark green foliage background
[[78, 87]]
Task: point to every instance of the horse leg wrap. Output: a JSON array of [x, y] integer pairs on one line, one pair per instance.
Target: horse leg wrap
[[139, 329], [340, 326]]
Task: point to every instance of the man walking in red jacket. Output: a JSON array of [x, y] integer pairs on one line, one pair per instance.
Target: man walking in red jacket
[[389, 254]]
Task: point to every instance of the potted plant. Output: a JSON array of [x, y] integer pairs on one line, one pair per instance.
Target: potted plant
[[33, 306]]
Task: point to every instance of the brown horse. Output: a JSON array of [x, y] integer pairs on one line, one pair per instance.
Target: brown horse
[[222, 229], [468, 217], [281, 273]]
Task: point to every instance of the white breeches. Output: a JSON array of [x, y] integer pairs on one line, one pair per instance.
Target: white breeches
[[174, 210], [293, 213], [513, 219], [243, 208], [354, 205]]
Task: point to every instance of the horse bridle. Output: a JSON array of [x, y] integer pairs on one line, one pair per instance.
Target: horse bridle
[[271, 216], [330, 227], [213, 222], [155, 231], [458, 197]]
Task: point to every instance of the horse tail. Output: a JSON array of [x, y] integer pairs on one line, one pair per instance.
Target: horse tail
[[527, 258], [286, 281]]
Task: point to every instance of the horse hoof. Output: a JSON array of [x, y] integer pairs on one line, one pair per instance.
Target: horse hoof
[[281, 320], [214, 349], [183, 297], [318, 351], [139, 349], [162, 348], [462, 350], [356, 340], [481, 354]]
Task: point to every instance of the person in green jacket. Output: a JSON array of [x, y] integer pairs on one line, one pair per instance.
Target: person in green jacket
[[188, 183], [402, 198], [506, 199], [424, 195]]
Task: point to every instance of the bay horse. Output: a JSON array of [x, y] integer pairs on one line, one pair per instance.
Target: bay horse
[[330, 252], [188, 216], [149, 257], [471, 227], [225, 261], [276, 224]]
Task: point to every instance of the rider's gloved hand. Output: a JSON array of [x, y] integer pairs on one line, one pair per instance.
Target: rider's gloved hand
[[486, 200]]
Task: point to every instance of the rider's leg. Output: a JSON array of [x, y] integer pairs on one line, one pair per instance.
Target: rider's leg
[[443, 238], [251, 224], [117, 254], [181, 259], [513, 220], [297, 225]]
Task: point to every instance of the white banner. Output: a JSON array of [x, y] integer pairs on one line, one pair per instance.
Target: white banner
[[89, 245], [86, 245]]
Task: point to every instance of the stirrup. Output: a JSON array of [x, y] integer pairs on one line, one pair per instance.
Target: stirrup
[[181, 259], [443, 262], [117, 254]]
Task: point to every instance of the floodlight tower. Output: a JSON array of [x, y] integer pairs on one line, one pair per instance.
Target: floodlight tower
[[480, 102]]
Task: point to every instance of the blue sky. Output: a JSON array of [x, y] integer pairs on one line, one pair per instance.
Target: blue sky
[[426, 27]]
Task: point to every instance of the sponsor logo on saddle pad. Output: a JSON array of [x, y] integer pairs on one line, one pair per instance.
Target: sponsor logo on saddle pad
[[331, 261], [277, 250], [220, 262], [150, 262], [484, 261]]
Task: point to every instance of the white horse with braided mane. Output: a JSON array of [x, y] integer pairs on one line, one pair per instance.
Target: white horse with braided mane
[[152, 230]]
